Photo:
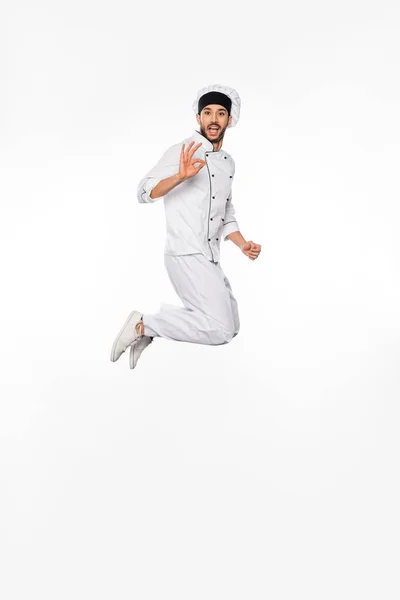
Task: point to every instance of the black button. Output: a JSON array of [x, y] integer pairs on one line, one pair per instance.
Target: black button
[[224, 156], [209, 239], [206, 154], [211, 219], [216, 239], [227, 199], [213, 197], [223, 219], [230, 176], [212, 175]]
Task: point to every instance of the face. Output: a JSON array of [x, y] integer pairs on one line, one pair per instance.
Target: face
[[213, 121]]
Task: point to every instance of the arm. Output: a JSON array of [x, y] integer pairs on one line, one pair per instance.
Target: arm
[[164, 175], [230, 230], [164, 186], [237, 238], [176, 165]]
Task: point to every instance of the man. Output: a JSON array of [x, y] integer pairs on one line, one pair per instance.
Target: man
[[195, 179]]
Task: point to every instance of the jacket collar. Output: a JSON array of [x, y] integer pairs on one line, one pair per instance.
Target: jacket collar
[[207, 145]]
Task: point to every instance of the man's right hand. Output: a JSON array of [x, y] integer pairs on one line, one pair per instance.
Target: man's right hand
[[187, 166]]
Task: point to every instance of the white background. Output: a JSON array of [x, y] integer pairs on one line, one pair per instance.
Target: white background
[[262, 469]]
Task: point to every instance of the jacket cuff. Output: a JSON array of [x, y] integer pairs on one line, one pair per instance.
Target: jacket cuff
[[228, 228], [145, 189]]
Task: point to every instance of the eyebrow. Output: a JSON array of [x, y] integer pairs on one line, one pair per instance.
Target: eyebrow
[[224, 109]]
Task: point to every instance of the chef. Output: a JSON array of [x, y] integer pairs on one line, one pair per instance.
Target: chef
[[194, 178]]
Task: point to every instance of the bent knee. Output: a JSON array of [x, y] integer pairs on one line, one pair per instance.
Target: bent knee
[[235, 330], [225, 332], [229, 335]]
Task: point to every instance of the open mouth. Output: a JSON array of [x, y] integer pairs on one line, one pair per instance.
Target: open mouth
[[213, 129]]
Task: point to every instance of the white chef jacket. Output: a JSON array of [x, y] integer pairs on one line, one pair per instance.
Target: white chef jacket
[[199, 211]]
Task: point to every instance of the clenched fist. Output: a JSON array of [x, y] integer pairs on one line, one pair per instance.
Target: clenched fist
[[251, 249]]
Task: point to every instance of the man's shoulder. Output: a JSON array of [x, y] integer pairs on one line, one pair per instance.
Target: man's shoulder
[[175, 149], [172, 153], [185, 140], [178, 145]]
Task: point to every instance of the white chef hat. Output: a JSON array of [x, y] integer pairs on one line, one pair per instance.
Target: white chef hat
[[230, 92]]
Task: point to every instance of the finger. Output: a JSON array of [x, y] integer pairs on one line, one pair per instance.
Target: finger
[[198, 160], [186, 150], [189, 146], [193, 150]]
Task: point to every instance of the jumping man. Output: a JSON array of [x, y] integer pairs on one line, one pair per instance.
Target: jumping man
[[195, 180]]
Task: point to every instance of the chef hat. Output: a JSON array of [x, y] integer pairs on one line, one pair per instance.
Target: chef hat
[[230, 92]]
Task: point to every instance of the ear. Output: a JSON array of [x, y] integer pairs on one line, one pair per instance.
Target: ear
[[198, 118]]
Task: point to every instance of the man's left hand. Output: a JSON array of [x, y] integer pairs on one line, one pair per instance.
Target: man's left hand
[[251, 249]]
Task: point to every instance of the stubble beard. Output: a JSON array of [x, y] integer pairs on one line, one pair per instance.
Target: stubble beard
[[204, 132]]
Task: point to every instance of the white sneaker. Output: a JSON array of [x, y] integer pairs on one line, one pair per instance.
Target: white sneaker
[[130, 332], [137, 349]]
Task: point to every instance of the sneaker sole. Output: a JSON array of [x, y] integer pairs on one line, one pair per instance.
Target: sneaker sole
[[132, 364], [112, 356]]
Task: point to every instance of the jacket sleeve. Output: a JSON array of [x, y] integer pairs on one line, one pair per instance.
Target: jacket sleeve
[[230, 222], [167, 166]]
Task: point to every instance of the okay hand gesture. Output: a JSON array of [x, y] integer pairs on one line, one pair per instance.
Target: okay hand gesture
[[187, 166]]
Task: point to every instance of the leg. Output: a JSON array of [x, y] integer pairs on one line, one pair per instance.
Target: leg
[[206, 317], [234, 304]]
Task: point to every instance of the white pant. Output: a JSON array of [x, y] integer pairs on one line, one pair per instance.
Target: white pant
[[210, 313]]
